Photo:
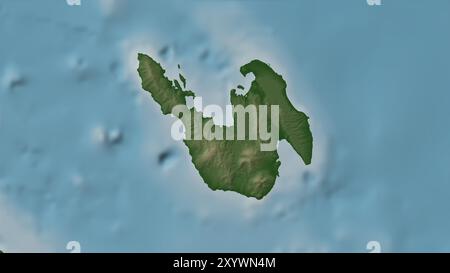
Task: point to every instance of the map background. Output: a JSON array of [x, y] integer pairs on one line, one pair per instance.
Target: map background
[[80, 141]]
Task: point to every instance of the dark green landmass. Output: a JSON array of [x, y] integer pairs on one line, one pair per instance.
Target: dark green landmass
[[183, 80], [234, 165]]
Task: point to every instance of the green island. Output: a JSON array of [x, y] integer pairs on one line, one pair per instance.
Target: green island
[[234, 165]]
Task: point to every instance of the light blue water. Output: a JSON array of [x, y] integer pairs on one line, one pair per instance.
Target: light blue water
[[80, 141]]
